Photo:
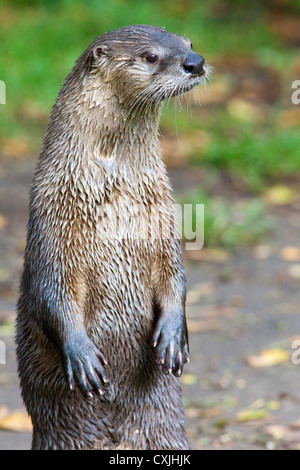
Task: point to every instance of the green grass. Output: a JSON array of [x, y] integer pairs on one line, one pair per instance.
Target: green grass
[[229, 224], [255, 160]]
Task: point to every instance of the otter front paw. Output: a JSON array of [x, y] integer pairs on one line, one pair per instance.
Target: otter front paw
[[83, 364], [170, 340]]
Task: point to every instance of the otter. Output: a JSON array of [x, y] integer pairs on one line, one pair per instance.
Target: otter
[[101, 331]]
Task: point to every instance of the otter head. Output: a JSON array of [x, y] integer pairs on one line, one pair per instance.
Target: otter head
[[145, 65]]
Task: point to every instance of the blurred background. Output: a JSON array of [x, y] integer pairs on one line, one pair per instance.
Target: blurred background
[[237, 152]]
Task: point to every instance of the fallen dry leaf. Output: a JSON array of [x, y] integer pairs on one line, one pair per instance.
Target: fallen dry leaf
[[17, 421], [3, 222], [193, 412], [188, 379], [209, 255], [279, 195], [277, 431], [294, 271], [268, 358], [252, 415], [290, 253], [273, 405]]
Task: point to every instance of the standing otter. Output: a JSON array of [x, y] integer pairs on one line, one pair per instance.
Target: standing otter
[[101, 329]]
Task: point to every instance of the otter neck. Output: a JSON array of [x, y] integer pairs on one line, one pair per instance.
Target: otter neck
[[114, 128]]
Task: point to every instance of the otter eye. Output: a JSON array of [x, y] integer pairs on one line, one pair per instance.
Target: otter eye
[[151, 58]]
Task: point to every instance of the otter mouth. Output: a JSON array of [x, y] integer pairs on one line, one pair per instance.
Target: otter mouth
[[189, 84], [192, 81], [170, 87]]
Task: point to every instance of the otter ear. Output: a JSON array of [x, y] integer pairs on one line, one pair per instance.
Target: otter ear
[[100, 51]]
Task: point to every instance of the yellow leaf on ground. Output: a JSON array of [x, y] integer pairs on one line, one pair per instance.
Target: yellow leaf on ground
[[279, 195], [193, 412], [294, 271], [268, 358], [290, 253], [252, 415], [3, 222], [273, 405], [17, 421], [188, 379]]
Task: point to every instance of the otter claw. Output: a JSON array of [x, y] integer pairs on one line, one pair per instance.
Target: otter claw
[[83, 364], [171, 343]]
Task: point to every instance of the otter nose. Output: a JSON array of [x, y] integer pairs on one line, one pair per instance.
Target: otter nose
[[193, 63]]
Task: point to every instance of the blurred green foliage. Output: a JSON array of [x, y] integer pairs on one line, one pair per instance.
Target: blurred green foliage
[[40, 40], [268, 156], [227, 223]]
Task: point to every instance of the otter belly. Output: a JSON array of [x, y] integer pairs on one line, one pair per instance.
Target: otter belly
[[119, 307]]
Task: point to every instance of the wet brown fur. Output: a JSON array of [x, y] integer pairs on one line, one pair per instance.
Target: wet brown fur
[[101, 147]]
